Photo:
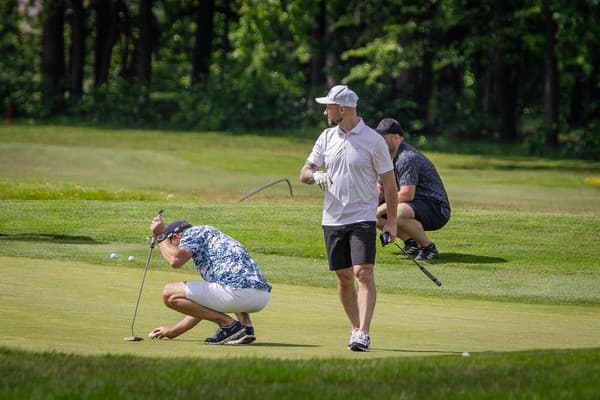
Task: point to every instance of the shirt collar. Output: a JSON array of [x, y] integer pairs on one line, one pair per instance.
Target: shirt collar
[[358, 128], [401, 148]]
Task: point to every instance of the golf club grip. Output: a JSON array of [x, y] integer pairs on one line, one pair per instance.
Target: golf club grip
[[430, 275], [153, 240]]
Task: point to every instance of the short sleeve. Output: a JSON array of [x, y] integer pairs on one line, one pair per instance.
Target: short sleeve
[[317, 155], [381, 157]]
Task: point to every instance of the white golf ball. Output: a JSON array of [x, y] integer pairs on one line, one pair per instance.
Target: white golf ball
[[114, 255], [465, 354], [131, 258], [150, 335]]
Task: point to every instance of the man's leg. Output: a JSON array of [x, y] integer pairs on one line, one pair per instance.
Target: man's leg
[[347, 293], [367, 294], [244, 318], [409, 227], [359, 307], [248, 336], [174, 298]]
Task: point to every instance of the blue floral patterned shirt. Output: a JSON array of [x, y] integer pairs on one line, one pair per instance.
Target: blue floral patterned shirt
[[221, 259]]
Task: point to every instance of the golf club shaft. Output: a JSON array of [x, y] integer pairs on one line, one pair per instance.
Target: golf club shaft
[[152, 244], [422, 268], [263, 187]]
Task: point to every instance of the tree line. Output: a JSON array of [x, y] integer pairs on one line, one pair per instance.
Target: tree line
[[517, 71]]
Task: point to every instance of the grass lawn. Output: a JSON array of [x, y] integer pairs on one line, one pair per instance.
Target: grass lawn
[[520, 268]]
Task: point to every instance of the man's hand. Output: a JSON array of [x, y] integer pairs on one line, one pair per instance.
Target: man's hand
[[322, 179], [160, 333], [157, 226], [392, 230]]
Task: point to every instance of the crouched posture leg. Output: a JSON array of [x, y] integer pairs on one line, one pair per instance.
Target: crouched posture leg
[[174, 297]]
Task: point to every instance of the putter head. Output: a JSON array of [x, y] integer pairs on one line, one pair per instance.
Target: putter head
[[133, 339]]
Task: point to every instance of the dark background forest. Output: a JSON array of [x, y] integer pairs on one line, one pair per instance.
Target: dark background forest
[[519, 72]]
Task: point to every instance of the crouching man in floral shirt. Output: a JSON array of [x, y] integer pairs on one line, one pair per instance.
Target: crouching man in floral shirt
[[232, 282]]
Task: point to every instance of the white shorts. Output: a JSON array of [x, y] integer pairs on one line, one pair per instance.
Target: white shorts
[[220, 298]]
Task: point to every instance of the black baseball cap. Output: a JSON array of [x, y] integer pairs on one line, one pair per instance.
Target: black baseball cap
[[177, 227], [389, 125]]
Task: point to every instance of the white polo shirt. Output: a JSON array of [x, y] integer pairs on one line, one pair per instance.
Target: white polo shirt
[[353, 161]]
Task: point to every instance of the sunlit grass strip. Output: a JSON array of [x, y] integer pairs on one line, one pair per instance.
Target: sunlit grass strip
[[65, 191], [592, 180]]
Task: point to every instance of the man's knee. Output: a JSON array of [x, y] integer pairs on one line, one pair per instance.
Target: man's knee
[[364, 273], [173, 291], [345, 277]]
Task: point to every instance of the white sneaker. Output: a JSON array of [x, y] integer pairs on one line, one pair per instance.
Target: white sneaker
[[359, 341], [353, 337]]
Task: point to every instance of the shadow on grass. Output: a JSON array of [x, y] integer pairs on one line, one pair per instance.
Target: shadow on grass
[[461, 258], [261, 344], [49, 237], [417, 351], [255, 344], [527, 165]]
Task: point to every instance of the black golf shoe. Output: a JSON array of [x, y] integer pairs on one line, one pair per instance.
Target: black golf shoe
[[411, 248], [427, 253], [247, 338], [227, 333]]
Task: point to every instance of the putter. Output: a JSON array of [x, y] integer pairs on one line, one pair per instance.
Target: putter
[[386, 239], [134, 338]]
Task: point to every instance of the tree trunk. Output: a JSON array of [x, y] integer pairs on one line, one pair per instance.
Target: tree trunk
[[333, 42], [53, 58], [424, 88], [503, 97], [144, 43], [205, 12], [106, 37], [77, 59], [317, 64], [229, 17], [128, 52], [551, 81], [425, 85]]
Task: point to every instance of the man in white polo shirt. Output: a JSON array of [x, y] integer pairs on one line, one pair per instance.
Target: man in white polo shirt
[[353, 156]]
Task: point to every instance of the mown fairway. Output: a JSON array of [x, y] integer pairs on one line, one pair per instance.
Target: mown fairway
[[520, 268]]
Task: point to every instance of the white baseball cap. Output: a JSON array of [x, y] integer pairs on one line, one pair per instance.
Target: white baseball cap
[[340, 94]]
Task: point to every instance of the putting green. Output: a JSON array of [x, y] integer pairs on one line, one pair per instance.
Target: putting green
[[46, 305]]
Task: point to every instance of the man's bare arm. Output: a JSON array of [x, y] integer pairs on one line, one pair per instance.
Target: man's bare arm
[[391, 198]]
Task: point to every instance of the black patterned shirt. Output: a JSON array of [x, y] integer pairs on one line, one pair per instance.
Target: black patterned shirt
[[411, 167]]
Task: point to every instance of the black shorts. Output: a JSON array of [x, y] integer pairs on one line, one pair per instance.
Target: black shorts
[[431, 214], [349, 245]]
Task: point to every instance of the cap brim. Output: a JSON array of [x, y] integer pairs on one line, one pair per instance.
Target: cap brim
[[324, 100]]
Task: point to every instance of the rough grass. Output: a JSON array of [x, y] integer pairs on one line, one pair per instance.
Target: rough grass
[[569, 374]]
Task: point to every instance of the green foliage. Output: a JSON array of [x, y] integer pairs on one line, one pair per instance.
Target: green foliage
[[430, 64], [247, 99], [119, 102], [18, 60], [583, 143]]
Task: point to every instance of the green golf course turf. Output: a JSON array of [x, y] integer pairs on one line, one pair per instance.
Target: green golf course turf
[[519, 265], [87, 309]]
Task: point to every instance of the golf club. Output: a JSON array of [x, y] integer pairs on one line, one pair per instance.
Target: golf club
[[134, 338], [386, 239], [263, 187]]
